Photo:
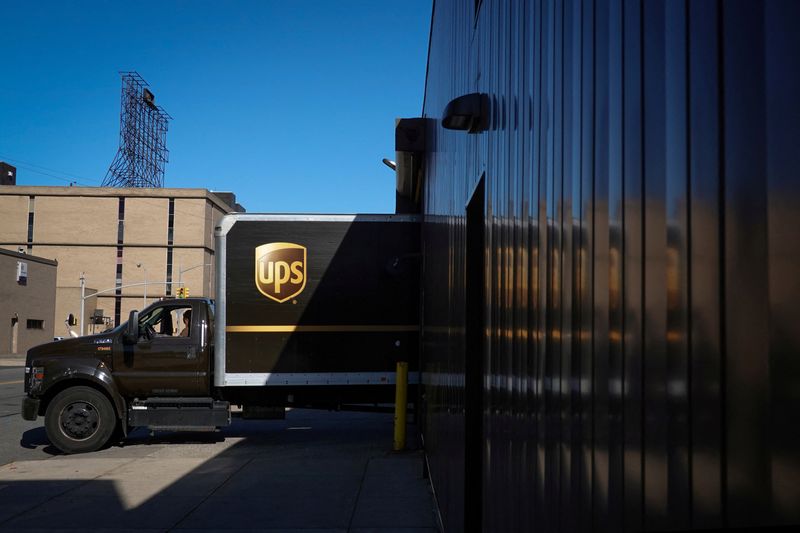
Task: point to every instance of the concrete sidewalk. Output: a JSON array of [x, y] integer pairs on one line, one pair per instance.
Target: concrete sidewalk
[[12, 359], [316, 470]]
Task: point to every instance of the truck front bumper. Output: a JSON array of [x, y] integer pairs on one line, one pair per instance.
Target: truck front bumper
[[30, 408]]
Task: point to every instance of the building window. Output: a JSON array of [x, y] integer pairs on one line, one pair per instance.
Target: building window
[[169, 271], [120, 240], [121, 221], [170, 235], [35, 324], [31, 200], [171, 222]]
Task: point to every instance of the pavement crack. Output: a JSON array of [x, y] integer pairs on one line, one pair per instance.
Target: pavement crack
[[358, 495], [209, 495]]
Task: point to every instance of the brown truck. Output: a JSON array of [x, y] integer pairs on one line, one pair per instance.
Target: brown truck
[[310, 310]]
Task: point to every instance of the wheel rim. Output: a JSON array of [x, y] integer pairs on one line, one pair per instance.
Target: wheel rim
[[79, 420]]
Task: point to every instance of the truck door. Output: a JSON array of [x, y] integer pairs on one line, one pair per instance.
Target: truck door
[[167, 360]]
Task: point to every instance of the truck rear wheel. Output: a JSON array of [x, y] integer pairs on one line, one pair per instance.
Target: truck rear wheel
[[79, 420]]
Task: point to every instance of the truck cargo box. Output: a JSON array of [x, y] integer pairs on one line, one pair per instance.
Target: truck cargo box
[[316, 300]]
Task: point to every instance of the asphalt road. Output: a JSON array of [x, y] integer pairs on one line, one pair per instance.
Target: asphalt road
[[19, 439]]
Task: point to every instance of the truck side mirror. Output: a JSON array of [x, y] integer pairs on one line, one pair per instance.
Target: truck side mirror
[[71, 320], [132, 330]]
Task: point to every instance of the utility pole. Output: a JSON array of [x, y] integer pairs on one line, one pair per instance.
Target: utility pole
[[83, 300], [144, 300]]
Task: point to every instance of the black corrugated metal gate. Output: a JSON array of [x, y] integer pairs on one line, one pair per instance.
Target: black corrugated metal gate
[[641, 330]]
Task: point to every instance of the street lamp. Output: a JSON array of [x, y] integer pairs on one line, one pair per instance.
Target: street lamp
[[144, 299], [182, 270]]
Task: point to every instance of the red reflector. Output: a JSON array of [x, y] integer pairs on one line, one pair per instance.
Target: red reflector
[[39, 375]]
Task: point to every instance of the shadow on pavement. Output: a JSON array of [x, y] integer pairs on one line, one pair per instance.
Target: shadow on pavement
[[36, 437], [315, 470]]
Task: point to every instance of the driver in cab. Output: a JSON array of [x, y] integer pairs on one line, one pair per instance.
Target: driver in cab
[[187, 319]]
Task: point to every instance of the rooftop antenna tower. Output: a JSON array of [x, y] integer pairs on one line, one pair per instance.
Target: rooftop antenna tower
[[142, 152]]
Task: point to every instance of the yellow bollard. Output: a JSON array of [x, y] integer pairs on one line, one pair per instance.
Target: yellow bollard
[[400, 405]]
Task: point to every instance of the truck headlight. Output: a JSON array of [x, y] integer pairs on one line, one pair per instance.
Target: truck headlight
[[36, 378]]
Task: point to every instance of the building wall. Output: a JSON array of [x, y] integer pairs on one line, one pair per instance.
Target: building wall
[[192, 213], [74, 259], [20, 303], [14, 226], [146, 221], [105, 233], [68, 303], [640, 345], [71, 220]]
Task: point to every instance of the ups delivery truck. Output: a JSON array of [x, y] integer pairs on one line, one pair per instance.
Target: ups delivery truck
[[310, 310]]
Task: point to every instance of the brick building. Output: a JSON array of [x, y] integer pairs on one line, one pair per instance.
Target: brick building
[[116, 237]]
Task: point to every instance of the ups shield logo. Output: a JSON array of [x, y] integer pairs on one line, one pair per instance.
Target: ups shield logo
[[280, 270]]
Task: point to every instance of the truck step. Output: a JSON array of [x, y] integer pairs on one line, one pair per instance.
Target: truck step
[[179, 414]]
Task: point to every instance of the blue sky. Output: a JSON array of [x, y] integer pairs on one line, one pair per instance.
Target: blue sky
[[289, 104]]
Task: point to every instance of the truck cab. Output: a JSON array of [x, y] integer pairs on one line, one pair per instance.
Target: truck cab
[[153, 370], [169, 353]]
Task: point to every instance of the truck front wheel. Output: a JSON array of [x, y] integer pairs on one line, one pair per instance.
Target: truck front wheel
[[79, 420]]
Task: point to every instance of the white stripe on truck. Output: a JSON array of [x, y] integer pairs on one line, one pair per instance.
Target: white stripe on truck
[[314, 378]]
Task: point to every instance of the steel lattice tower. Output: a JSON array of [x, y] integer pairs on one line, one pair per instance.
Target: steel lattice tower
[[142, 153]]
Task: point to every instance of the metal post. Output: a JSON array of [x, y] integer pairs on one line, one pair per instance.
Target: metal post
[[144, 298], [83, 301], [400, 405]]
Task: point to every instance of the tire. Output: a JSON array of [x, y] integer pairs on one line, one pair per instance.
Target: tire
[[80, 420]]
